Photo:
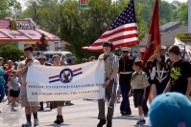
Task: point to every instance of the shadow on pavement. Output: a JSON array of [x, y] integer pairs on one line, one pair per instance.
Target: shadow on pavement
[[126, 117], [142, 126], [57, 125], [48, 110]]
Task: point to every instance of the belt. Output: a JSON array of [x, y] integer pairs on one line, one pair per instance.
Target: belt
[[128, 72], [162, 71]]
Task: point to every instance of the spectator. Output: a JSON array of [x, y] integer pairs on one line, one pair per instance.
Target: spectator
[[9, 69], [2, 90], [63, 60], [135, 55], [37, 55], [22, 58], [92, 58], [170, 110], [50, 59], [14, 92]]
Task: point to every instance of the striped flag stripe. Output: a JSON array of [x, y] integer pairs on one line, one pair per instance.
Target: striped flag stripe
[[100, 48], [118, 38], [121, 27], [116, 43], [123, 30], [119, 31], [124, 33]]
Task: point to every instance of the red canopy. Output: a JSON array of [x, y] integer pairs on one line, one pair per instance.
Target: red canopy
[[27, 31]]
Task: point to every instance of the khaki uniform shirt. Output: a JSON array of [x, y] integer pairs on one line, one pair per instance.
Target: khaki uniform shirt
[[111, 63], [139, 80], [21, 65]]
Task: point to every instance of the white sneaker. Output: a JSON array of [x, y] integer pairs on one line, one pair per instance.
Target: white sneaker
[[36, 122], [27, 124], [16, 104]]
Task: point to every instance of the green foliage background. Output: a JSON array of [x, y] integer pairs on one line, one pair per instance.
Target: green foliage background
[[81, 27], [10, 52]]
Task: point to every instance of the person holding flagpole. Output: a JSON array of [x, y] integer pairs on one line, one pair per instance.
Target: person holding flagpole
[[111, 70], [154, 39]]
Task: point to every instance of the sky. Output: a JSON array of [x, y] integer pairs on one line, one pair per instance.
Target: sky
[[170, 1], [24, 1]]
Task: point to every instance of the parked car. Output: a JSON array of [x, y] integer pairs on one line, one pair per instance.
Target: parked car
[[69, 55]]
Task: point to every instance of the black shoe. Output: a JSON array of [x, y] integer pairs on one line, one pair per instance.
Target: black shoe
[[142, 121], [122, 113], [109, 123], [139, 122], [101, 123], [127, 114], [59, 119], [145, 113], [40, 109], [50, 106], [68, 103]]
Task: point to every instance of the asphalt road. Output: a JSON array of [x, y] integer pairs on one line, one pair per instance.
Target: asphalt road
[[81, 114]]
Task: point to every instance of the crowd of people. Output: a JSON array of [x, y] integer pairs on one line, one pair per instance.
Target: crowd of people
[[125, 75]]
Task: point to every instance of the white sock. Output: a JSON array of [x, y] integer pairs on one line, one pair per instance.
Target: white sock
[[142, 116]]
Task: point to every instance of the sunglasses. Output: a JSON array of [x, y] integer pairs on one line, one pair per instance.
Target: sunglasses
[[125, 51]]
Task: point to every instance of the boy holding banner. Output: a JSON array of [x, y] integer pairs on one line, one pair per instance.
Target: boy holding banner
[[30, 107], [57, 104], [111, 70]]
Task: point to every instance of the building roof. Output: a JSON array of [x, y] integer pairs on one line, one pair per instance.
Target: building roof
[[169, 26], [168, 33], [28, 30]]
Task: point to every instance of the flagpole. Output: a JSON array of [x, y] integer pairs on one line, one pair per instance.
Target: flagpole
[[189, 16], [139, 52]]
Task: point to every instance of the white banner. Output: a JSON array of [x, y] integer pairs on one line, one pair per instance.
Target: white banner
[[50, 83], [182, 45]]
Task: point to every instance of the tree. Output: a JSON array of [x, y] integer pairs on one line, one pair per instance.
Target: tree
[[80, 27], [10, 52], [8, 6], [182, 13], [165, 10]]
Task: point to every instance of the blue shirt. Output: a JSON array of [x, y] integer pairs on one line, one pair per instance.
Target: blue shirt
[[1, 77]]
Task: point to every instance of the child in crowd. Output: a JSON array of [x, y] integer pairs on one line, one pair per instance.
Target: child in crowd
[[14, 92], [139, 84], [170, 110]]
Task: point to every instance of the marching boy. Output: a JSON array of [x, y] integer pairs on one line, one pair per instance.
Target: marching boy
[[139, 84]]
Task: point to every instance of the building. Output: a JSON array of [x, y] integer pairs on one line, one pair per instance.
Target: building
[[168, 33], [25, 32]]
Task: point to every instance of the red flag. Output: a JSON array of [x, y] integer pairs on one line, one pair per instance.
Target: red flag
[[122, 32], [154, 40]]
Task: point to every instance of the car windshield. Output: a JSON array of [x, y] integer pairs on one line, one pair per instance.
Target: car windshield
[[69, 56]]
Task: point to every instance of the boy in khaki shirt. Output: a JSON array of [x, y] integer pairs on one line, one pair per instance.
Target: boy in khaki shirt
[[139, 84]]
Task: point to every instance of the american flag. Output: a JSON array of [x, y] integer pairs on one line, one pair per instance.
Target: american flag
[[122, 32]]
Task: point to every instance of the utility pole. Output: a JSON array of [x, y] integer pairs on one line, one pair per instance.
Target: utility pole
[[189, 16]]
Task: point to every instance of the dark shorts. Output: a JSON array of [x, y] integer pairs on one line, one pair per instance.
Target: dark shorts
[[138, 97], [160, 88], [14, 93], [56, 104]]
